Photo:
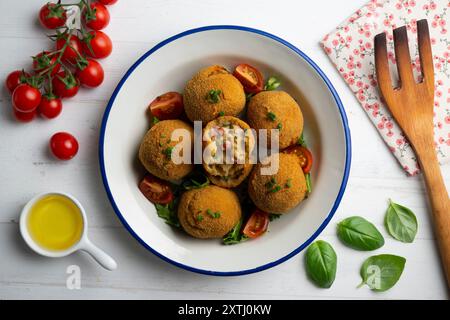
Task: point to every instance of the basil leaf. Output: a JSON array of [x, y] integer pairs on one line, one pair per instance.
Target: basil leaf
[[382, 272], [401, 222], [360, 234], [321, 263]]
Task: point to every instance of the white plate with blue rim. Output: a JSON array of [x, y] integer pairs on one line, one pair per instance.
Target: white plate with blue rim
[[167, 67]]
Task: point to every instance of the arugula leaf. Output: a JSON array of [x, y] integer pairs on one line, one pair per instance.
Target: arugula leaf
[[321, 263], [360, 234], [401, 222], [382, 272], [274, 216], [168, 213], [235, 236]]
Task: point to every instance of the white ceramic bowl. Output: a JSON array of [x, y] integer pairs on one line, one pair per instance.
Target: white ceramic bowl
[[167, 67]]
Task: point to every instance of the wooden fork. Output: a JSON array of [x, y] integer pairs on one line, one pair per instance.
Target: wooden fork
[[412, 104]]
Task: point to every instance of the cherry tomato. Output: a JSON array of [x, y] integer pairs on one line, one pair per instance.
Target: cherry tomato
[[108, 2], [50, 106], [167, 106], [45, 60], [96, 16], [14, 79], [257, 224], [52, 16], [63, 145], [305, 156], [156, 190], [26, 98], [24, 116], [70, 53], [97, 45], [65, 85], [250, 77], [91, 75]]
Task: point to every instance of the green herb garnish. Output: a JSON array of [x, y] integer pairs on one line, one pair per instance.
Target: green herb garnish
[[221, 114], [168, 213], [401, 222], [214, 215], [359, 234], [168, 152], [308, 182], [271, 116], [213, 96], [381, 272], [301, 141], [155, 120], [199, 217], [271, 84], [271, 183], [288, 183], [274, 216], [235, 235], [276, 189], [279, 126], [321, 263]]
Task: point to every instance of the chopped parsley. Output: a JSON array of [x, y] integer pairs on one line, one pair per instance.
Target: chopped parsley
[[214, 215], [279, 126], [213, 96], [288, 183], [271, 116], [276, 189], [199, 217], [221, 114], [168, 152], [272, 183], [271, 84]]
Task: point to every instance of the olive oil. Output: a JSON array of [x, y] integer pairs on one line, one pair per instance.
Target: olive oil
[[55, 223]]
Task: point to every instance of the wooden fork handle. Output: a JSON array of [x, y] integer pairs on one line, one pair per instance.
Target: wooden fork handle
[[440, 204]]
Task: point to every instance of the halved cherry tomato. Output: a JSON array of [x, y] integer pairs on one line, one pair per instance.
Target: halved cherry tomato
[[156, 190], [257, 224], [305, 156], [250, 77], [167, 106]]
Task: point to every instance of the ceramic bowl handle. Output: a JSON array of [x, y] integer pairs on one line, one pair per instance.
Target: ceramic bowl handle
[[100, 256]]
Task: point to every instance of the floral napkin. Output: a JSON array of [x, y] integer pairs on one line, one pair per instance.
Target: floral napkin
[[350, 48]]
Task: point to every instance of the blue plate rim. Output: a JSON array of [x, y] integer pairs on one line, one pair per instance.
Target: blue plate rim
[[343, 118]]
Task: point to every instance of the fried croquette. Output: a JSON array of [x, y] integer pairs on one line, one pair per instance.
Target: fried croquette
[[228, 144], [157, 147], [208, 213], [276, 110], [211, 93], [281, 191]]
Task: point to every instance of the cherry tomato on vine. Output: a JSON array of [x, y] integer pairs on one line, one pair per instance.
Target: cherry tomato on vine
[[46, 60], [108, 2], [14, 79], [250, 77], [70, 53], [24, 116], [257, 224], [65, 85], [50, 106], [96, 16], [156, 190], [97, 44], [26, 98], [304, 155], [63, 145], [167, 106], [91, 73], [52, 16]]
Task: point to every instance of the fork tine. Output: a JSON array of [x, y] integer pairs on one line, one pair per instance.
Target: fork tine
[[403, 57], [426, 55], [382, 65]]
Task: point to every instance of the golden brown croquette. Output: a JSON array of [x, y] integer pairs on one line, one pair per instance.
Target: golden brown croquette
[[282, 191], [228, 143], [211, 93], [276, 110], [156, 150], [209, 212]]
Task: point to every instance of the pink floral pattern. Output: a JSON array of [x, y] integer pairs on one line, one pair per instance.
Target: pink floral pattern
[[350, 48]]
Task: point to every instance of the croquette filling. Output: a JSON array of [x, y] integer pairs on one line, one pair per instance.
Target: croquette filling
[[227, 154]]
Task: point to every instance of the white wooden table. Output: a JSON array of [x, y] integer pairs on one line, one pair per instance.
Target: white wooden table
[[136, 26]]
